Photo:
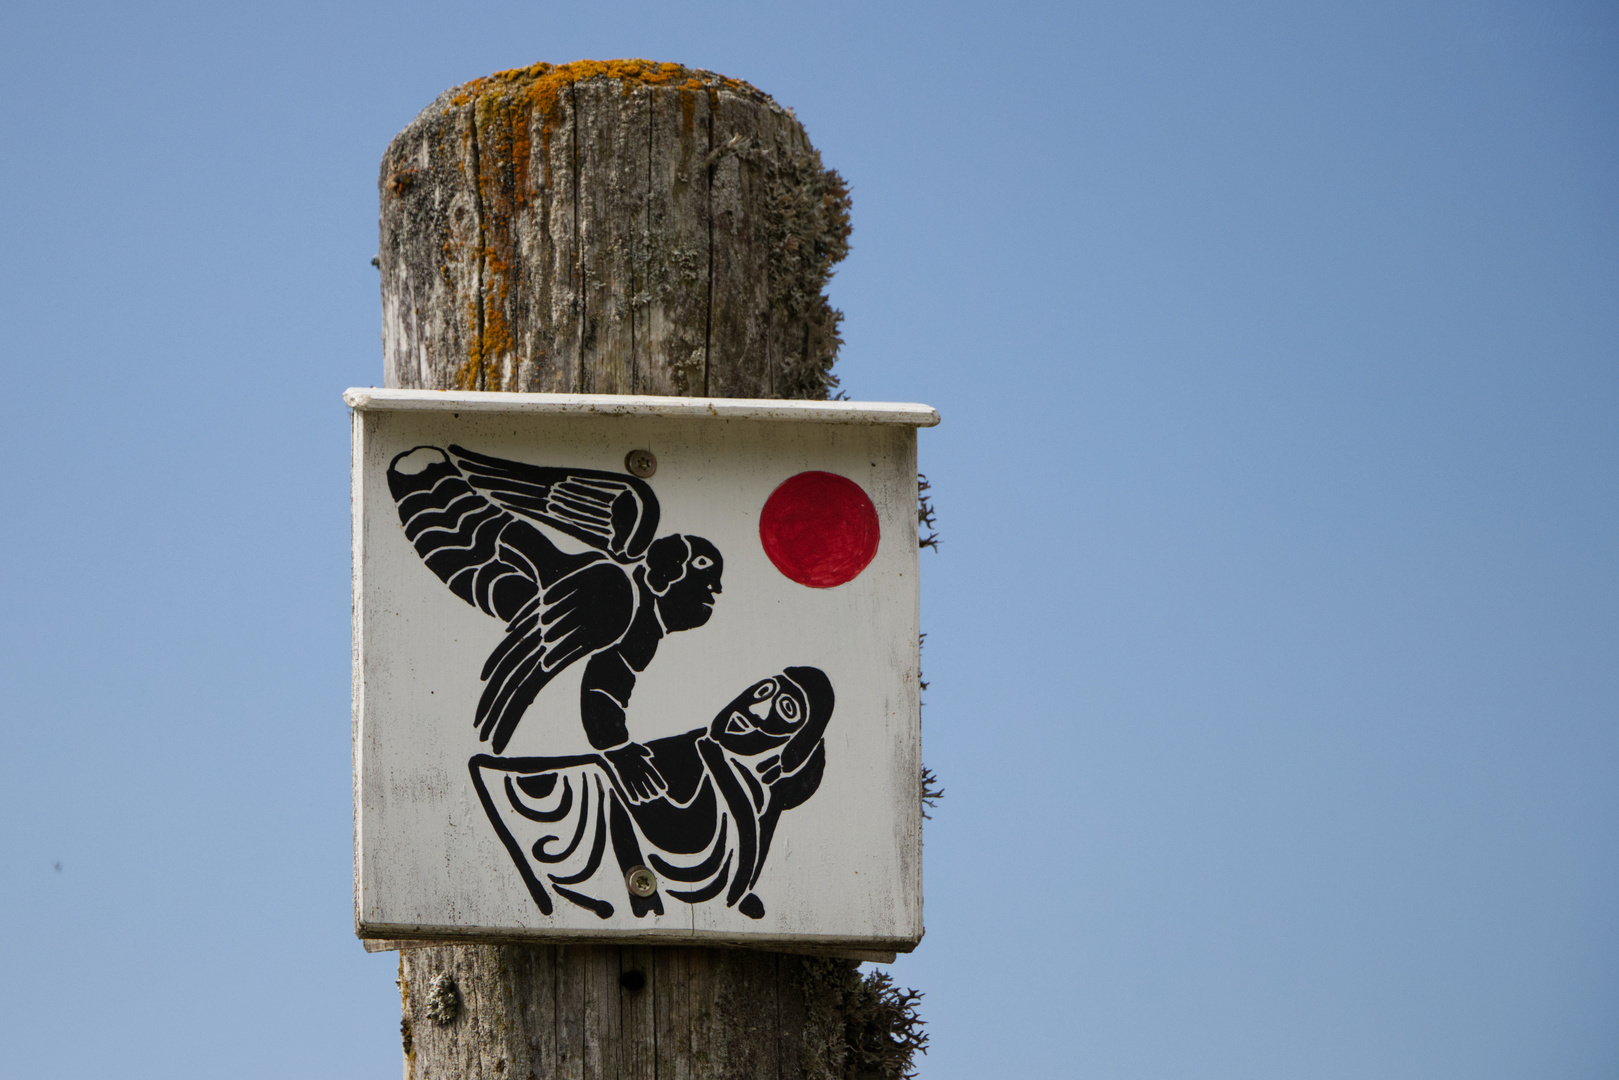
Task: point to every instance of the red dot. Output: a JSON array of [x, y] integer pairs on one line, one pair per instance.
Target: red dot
[[819, 528]]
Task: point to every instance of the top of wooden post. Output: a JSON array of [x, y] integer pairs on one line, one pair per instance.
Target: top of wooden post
[[540, 84], [617, 226]]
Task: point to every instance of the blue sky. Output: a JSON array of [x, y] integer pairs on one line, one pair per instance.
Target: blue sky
[[1272, 640]]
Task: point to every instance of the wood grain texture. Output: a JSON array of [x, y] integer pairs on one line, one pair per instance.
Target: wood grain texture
[[617, 227], [565, 1011], [678, 245]]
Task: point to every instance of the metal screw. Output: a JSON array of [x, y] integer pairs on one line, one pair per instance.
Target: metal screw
[[640, 463], [641, 881]]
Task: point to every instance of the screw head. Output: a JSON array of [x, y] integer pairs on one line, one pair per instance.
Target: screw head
[[641, 881], [640, 463]]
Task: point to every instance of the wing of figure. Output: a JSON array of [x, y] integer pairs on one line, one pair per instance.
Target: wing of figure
[[487, 555], [459, 533], [613, 512], [558, 607], [586, 611]]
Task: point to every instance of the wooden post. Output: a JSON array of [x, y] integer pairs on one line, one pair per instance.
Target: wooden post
[[621, 227]]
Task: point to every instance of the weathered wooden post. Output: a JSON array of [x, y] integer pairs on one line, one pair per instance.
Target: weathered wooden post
[[621, 227]]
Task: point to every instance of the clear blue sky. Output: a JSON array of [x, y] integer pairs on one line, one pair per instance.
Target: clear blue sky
[[1273, 638]]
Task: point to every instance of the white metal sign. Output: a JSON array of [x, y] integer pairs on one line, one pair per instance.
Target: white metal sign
[[636, 668]]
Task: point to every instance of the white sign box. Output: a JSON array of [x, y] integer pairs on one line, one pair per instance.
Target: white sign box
[[631, 668]]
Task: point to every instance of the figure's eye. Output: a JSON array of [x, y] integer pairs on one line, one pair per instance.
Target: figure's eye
[[763, 690], [702, 562], [788, 707]]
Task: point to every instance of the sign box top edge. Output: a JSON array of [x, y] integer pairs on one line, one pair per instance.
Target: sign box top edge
[[374, 399]]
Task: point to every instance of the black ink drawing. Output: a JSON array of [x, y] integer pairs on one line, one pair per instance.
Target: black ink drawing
[[707, 833], [478, 523], [475, 521]]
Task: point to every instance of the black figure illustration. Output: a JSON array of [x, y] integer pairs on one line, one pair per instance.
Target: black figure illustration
[[476, 522], [697, 810], [709, 830]]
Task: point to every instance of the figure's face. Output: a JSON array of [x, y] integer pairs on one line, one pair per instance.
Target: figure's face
[[774, 706], [690, 601]]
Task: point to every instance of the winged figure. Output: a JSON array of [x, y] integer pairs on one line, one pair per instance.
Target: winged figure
[[480, 522]]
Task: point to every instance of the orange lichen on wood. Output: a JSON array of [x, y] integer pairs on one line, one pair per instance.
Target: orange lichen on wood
[[541, 83], [582, 279], [503, 119], [537, 88]]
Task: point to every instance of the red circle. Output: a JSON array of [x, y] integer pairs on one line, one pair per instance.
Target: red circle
[[819, 528]]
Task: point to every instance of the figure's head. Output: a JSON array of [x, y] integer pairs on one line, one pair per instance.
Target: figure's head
[[791, 708], [683, 573]]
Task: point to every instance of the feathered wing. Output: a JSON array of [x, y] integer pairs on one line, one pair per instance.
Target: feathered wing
[[586, 611], [460, 535], [558, 607], [613, 512]]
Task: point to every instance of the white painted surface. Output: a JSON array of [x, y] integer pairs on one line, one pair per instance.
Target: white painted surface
[[821, 412], [845, 867]]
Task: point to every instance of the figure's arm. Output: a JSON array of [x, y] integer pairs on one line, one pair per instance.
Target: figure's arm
[[604, 692], [603, 695]]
